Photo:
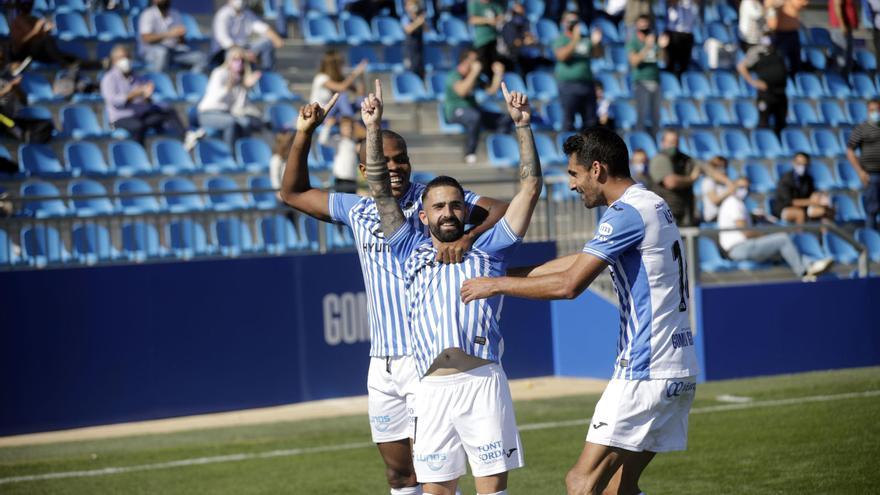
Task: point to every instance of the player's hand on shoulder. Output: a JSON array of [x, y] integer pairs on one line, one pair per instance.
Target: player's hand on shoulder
[[478, 288], [371, 106], [313, 114], [453, 252], [517, 105]]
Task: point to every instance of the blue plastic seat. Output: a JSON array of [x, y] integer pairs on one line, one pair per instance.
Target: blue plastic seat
[[736, 144], [542, 86], [129, 158], [696, 85], [133, 197], [356, 31], [688, 115], [358, 53], [746, 113], [193, 32], [407, 87], [641, 140], [392, 56], [767, 144], [181, 195], [42, 245], [387, 30], [262, 195], [313, 7], [454, 30], [669, 86], [109, 27], [223, 195], [534, 9], [820, 36], [815, 56], [214, 156], [836, 86], [808, 245], [140, 241], [277, 235], [338, 236], [865, 59], [7, 254], [809, 86], [50, 207], [717, 114], [4, 33], [710, 257], [91, 243], [272, 87], [825, 143], [795, 141], [80, 122], [503, 150], [846, 210], [724, 84], [308, 231], [171, 158], [253, 153], [71, 26], [848, 176], [233, 236], [612, 86], [87, 158], [435, 58], [546, 31], [187, 238], [191, 85], [782, 168], [832, 114], [858, 111], [625, 116], [547, 150], [281, 117], [89, 206], [871, 239], [759, 178], [320, 30], [165, 90], [436, 85], [863, 86], [70, 6], [40, 160], [840, 250], [803, 114], [823, 178], [37, 88], [704, 145], [514, 83], [447, 127]]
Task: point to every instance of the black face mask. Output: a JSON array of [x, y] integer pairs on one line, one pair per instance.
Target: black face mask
[[571, 24], [645, 31]]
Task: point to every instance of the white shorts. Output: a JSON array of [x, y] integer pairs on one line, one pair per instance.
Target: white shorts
[[391, 388], [643, 415], [465, 415]]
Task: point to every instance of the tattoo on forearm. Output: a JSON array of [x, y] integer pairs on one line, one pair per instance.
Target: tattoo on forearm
[[379, 180], [529, 163]]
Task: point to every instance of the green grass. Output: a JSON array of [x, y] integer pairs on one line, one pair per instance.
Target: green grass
[[810, 447]]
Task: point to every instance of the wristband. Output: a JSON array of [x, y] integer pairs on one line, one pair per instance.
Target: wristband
[[522, 126]]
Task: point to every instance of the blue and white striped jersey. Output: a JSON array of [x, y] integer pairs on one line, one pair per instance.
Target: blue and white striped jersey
[[638, 237], [438, 319], [383, 273]]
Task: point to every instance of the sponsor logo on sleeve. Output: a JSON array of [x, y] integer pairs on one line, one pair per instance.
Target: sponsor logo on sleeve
[[605, 229]]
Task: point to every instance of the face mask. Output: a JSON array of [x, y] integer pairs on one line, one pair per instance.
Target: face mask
[[742, 192], [124, 65], [237, 5], [766, 41], [236, 65], [671, 151], [874, 117], [645, 31], [637, 168], [799, 169], [163, 4]]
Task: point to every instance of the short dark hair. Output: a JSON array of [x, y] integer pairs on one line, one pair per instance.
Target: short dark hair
[[465, 52], [801, 153], [442, 181], [598, 144], [645, 17]]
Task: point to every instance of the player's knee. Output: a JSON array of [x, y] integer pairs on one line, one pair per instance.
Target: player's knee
[[400, 477]]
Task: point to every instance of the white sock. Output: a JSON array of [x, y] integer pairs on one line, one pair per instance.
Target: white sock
[[502, 492], [409, 490]]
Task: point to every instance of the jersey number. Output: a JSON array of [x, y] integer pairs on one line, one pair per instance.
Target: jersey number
[[682, 277]]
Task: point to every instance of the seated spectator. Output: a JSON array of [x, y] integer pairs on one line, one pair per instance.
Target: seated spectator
[[162, 42], [797, 199], [414, 26], [330, 79], [784, 21], [674, 174], [750, 245], [128, 100], [225, 105], [345, 159], [682, 17], [12, 100], [573, 71], [715, 188], [236, 26], [751, 23], [866, 138], [487, 17], [520, 45], [278, 160], [603, 107], [643, 52], [31, 36], [769, 66], [638, 168], [461, 107]]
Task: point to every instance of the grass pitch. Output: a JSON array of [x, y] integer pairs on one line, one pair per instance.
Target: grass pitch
[[805, 433]]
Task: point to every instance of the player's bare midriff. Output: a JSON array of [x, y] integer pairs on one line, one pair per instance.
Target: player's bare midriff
[[452, 361]]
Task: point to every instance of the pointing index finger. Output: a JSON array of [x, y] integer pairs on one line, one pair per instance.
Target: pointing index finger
[[331, 103], [378, 90], [504, 91]]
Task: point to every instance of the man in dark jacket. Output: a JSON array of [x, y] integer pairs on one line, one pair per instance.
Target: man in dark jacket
[[796, 197], [769, 65]]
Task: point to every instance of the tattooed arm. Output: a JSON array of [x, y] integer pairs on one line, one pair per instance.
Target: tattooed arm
[[378, 177], [519, 213]]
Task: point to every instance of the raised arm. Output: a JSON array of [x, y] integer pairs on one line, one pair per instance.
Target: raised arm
[[378, 177], [519, 213], [296, 190]]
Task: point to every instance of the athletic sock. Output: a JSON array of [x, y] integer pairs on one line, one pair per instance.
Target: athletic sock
[[409, 490], [502, 492]]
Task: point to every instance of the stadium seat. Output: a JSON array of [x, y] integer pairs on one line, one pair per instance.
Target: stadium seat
[[37, 88], [193, 32], [846, 210], [832, 114], [546, 31], [262, 195], [4, 34], [387, 30], [746, 113], [759, 178], [51, 207], [308, 231], [836, 86], [766, 144], [86, 158], [669, 86], [109, 27], [165, 90], [66, 6], [612, 86], [848, 176], [809, 246], [407, 87], [704, 145], [7, 253], [338, 236], [514, 82], [128, 158], [42, 245], [191, 86], [724, 84], [356, 31], [641, 140], [435, 58], [392, 56], [696, 85], [823, 178], [80, 122], [273, 87], [253, 153], [803, 114], [358, 53], [717, 114], [825, 143], [447, 127], [454, 30], [181, 195], [736, 145], [871, 239], [534, 9], [809, 86], [625, 116], [865, 59], [542, 86], [503, 150], [547, 150], [282, 117], [71, 26], [863, 86], [186, 238], [320, 31], [815, 57], [171, 159], [781, 168], [140, 241], [688, 115], [40, 160], [840, 250], [795, 141], [313, 7], [91, 243], [233, 236], [223, 195], [214, 156], [820, 36], [277, 235], [91, 206], [858, 112], [133, 197], [710, 257]]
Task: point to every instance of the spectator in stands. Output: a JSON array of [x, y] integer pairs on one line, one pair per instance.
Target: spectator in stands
[[866, 137], [345, 158], [674, 174], [277, 162], [520, 44], [797, 199], [414, 26], [874, 16], [769, 66], [643, 49], [574, 74], [844, 16], [638, 168], [603, 108], [225, 105], [369, 8], [682, 17], [330, 79], [31, 36], [129, 105], [784, 20], [12, 122], [751, 23], [715, 188], [461, 107], [235, 25], [487, 17], [162, 41], [750, 245]]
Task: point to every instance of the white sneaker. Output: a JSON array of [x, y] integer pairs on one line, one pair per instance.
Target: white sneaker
[[191, 138], [819, 267], [470, 159]]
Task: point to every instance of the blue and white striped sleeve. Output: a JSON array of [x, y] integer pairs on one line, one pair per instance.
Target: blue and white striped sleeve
[[404, 240], [621, 228], [340, 204], [499, 241], [470, 199]]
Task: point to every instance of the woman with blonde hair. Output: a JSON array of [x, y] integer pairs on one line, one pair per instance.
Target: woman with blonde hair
[[225, 105], [330, 79]]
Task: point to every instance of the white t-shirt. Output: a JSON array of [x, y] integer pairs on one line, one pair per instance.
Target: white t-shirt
[[751, 21], [276, 170], [710, 209], [320, 93], [732, 211], [222, 98]]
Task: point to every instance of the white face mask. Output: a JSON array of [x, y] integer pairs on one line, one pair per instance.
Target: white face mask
[[799, 169], [742, 192], [637, 168], [237, 5], [124, 65]]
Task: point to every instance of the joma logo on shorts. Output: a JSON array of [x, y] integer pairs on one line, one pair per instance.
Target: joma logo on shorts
[[434, 461], [675, 389], [380, 423]]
